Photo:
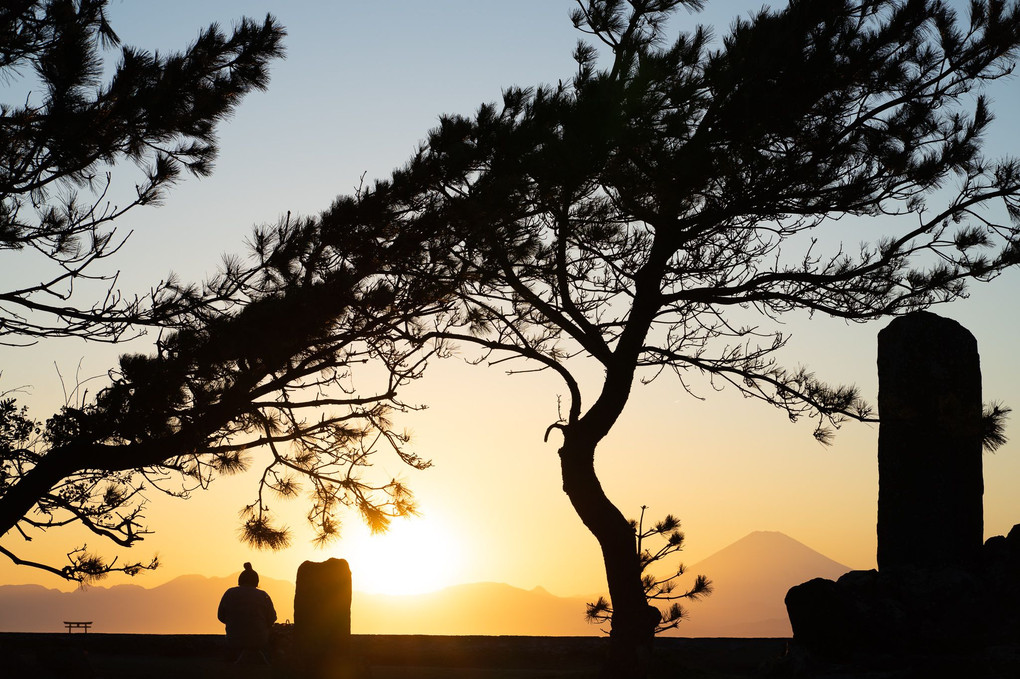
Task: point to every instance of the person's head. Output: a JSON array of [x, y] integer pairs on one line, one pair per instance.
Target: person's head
[[248, 577]]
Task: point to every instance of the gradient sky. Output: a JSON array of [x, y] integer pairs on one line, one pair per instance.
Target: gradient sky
[[361, 85]]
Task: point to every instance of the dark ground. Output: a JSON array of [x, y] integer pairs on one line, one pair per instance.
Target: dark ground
[[138, 656], [124, 656]]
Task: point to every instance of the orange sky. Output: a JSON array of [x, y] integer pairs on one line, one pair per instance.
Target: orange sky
[[492, 505]]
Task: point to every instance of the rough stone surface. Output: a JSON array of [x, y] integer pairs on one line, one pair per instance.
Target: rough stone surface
[[913, 610], [930, 511], [322, 612], [821, 617], [938, 593]]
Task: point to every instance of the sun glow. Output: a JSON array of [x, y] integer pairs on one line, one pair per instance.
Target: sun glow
[[413, 557]]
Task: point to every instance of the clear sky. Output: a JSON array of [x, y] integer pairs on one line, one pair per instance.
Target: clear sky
[[361, 85]]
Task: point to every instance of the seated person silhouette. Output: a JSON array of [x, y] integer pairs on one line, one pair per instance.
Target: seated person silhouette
[[248, 614]]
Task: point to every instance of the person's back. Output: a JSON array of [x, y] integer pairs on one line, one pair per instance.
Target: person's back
[[247, 612]]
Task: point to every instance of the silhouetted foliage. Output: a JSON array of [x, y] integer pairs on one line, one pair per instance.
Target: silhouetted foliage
[[657, 589], [656, 213], [158, 111], [96, 496], [993, 418], [274, 369], [57, 146]]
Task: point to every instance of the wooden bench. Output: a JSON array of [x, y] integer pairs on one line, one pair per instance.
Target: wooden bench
[[73, 625]]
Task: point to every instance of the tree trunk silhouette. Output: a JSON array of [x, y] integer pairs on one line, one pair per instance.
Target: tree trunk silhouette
[[633, 626]]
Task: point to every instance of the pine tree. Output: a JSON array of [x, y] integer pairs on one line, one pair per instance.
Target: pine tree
[[654, 215], [659, 590], [57, 149]]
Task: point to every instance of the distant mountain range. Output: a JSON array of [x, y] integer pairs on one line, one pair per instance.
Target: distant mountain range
[[751, 578]]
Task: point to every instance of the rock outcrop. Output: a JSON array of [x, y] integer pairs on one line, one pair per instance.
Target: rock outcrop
[[937, 589]]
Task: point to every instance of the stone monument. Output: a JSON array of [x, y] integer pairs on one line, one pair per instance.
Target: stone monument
[[322, 617], [930, 511], [937, 590]]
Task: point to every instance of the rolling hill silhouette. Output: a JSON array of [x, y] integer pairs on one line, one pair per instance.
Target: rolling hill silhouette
[[187, 605], [751, 576]]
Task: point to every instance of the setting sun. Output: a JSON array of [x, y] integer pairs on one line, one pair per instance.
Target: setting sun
[[354, 339], [413, 557]]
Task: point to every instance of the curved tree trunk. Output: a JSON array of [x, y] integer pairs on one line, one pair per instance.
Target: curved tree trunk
[[633, 622]]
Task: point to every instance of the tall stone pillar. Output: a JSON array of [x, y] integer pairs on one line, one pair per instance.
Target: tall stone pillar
[[930, 510], [322, 618]]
